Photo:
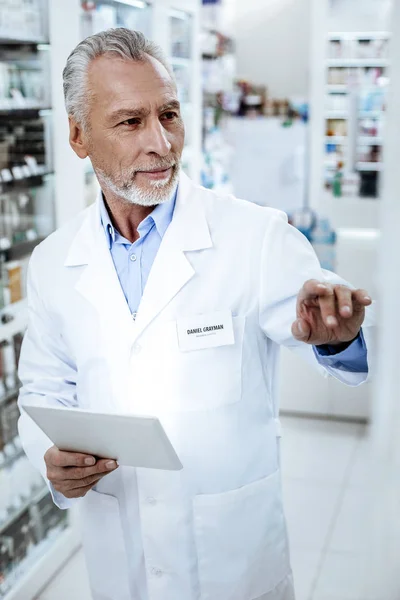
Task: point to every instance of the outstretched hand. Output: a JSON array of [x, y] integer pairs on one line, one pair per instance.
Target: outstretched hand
[[329, 314]]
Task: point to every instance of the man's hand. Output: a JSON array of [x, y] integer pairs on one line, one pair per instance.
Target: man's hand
[[73, 474], [329, 314]]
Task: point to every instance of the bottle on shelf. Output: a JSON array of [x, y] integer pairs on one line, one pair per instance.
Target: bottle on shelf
[[323, 240], [10, 378]]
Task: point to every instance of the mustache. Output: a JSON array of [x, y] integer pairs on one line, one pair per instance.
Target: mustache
[[160, 165]]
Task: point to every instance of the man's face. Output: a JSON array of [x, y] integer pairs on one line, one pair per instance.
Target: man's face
[[135, 134]]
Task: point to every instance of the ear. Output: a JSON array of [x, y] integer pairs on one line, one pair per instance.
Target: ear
[[77, 138]]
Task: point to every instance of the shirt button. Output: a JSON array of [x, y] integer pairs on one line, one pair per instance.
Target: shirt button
[[134, 315], [150, 500], [133, 257], [136, 348], [156, 572]]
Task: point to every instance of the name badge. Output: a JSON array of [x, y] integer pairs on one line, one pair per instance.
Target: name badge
[[205, 331]]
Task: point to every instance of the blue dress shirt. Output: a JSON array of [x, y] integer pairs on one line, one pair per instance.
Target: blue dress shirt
[[133, 263]]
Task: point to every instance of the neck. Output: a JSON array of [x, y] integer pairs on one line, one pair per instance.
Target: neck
[[126, 218]]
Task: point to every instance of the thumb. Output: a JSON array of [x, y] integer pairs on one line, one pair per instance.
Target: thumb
[[301, 330]]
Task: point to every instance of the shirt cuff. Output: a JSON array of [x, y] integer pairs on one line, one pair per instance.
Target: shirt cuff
[[60, 500], [352, 359]]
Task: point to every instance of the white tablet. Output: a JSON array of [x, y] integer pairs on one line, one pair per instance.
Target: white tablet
[[134, 441]]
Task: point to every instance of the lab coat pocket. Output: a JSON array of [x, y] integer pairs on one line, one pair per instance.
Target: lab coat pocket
[[176, 380], [212, 377], [241, 541], [103, 543]]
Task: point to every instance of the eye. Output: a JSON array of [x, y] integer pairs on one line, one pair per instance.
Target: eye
[[171, 115], [130, 122]]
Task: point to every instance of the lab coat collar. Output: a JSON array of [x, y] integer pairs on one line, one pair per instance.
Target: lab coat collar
[[171, 270], [189, 222]]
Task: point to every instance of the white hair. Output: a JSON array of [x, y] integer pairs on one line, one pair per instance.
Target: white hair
[[122, 42]]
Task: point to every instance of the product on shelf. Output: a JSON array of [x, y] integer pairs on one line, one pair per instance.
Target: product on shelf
[[336, 127], [323, 239], [17, 339], [369, 154], [21, 20], [47, 516], [22, 137], [7, 348], [182, 75], [24, 538], [362, 48], [337, 102], [14, 281], [181, 34], [24, 80], [98, 15], [9, 415]]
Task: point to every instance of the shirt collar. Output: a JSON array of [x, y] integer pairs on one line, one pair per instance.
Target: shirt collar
[[161, 217]]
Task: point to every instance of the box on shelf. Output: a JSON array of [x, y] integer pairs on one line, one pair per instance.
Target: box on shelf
[[22, 20]]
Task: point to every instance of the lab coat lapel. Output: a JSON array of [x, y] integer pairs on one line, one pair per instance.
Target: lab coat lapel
[[100, 286], [171, 269], [99, 282]]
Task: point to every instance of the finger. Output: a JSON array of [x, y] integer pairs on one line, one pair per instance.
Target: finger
[[102, 466], [78, 493], [327, 305], [301, 330], [82, 483], [362, 298], [344, 301], [59, 458], [314, 288]]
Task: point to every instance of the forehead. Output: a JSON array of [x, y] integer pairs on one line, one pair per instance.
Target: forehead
[[113, 81]]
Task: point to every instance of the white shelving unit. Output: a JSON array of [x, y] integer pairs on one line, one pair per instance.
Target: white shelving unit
[[357, 62], [354, 218], [370, 166], [52, 551], [343, 124], [51, 556]]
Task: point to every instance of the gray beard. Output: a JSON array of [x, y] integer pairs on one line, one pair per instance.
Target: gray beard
[[159, 192]]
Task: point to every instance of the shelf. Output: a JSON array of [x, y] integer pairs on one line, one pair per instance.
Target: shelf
[[37, 497], [363, 114], [371, 114], [336, 114], [365, 140], [19, 310], [343, 88], [337, 88], [15, 41], [336, 139], [361, 140], [358, 35], [34, 180], [49, 556], [358, 62], [371, 166], [7, 108]]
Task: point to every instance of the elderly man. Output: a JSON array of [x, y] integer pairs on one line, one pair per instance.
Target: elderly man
[[115, 296]]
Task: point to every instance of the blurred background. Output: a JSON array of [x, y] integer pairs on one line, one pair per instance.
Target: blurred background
[[292, 104]]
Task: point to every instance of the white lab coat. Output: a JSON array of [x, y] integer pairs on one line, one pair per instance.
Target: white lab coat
[[216, 529]]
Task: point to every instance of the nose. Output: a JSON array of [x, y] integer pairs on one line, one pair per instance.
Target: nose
[[156, 140]]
